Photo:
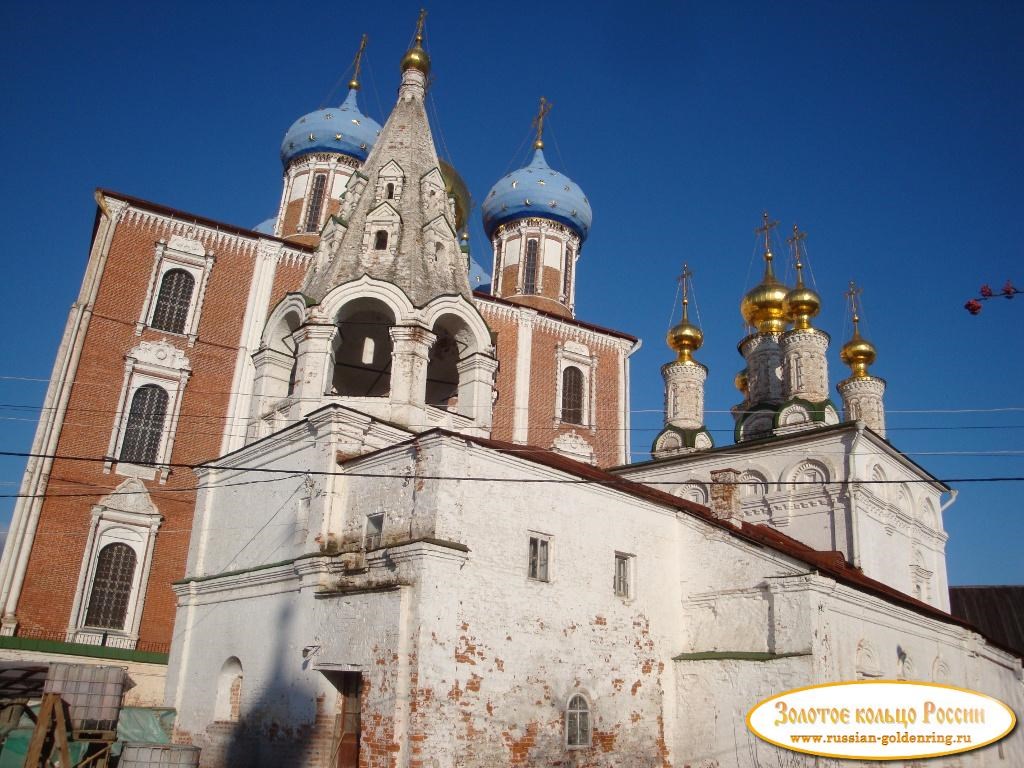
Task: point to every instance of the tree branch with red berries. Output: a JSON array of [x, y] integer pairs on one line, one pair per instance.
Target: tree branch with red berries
[[1009, 290]]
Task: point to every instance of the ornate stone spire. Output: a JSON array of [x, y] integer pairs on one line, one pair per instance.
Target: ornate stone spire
[[396, 221], [804, 356], [862, 393], [684, 430]]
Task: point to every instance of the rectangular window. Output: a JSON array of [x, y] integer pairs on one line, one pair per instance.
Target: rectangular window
[[539, 556], [374, 529], [621, 581]]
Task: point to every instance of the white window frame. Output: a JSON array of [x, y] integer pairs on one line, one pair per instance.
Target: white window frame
[[630, 565], [136, 527], [590, 721], [164, 365], [576, 355], [190, 256], [546, 539]]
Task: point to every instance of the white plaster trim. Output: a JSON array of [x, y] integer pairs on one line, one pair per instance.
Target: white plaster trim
[[112, 523], [157, 363], [22, 530], [178, 253]]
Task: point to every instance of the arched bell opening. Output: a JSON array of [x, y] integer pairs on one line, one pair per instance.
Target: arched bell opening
[[276, 361], [362, 349], [460, 371]]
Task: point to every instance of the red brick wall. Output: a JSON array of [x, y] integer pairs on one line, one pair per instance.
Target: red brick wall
[[55, 561]]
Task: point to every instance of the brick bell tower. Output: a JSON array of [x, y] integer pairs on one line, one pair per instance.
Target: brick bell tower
[[320, 152], [537, 220]]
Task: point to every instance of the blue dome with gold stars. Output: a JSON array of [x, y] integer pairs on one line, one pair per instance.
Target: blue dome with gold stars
[[539, 191], [341, 129]]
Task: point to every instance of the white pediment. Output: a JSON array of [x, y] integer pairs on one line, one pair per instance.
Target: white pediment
[[186, 245], [391, 170], [433, 176], [384, 212], [160, 354]]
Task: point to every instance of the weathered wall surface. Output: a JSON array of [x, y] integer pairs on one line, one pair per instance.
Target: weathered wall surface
[[468, 661]]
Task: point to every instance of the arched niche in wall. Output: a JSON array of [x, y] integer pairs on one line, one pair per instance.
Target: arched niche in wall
[[362, 349]]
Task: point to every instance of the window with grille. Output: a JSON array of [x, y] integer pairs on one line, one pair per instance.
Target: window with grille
[[621, 581], [111, 587], [577, 722], [380, 240], [537, 567], [145, 425], [567, 276], [173, 301], [316, 203], [530, 268], [572, 395]]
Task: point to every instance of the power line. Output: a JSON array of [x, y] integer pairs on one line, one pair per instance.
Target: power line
[[611, 480]]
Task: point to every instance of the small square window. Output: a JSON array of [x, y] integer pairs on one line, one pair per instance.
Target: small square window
[[374, 529], [622, 582], [540, 548]]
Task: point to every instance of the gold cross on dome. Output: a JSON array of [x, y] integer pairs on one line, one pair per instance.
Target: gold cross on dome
[[766, 229], [538, 122], [358, 63], [684, 279], [419, 25], [853, 295]]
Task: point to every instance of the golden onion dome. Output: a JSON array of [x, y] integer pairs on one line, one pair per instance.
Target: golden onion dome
[[801, 303], [858, 352], [764, 305], [685, 338], [416, 57], [742, 381], [456, 188]]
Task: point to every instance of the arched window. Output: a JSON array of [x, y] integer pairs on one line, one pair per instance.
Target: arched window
[[572, 395], [173, 301], [530, 268], [227, 706], [577, 722], [111, 587], [145, 425], [391, 191], [316, 203], [380, 240]]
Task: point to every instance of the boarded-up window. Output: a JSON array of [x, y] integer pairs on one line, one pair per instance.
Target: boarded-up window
[[530, 268], [145, 425], [173, 300], [111, 587], [316, 203], [572, 395]]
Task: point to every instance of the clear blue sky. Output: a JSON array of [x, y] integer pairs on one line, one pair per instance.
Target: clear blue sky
[[890, 132]]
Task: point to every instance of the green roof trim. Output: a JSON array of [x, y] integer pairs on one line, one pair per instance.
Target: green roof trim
[[82, 649], [736, 656]]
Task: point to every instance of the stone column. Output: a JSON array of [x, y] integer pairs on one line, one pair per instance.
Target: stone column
[[476, 385], [764, 368], [409, 358], [314, 371], [804, 364], [725, 495], [684, 394], [862, 401]]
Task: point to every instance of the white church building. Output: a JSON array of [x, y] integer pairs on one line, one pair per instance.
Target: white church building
[[422, 543]]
